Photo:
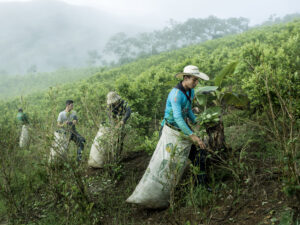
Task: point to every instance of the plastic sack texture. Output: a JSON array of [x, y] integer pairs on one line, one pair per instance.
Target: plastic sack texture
[[24, 138], [163, 172], [59, 146], [97, 153]]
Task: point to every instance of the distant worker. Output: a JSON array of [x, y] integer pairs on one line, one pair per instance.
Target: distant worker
[[179, 109], [118, 113], [22, 117], [66, 121], [23, 122]]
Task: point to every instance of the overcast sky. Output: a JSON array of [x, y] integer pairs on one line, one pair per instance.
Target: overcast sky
[[157, 13]]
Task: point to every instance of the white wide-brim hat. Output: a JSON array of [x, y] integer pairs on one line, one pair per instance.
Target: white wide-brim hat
[[112, 97], [192, 71]]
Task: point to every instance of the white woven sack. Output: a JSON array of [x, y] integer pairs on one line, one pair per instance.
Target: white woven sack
[[97, 153], [24, 138], [59, 145], [164, 171]]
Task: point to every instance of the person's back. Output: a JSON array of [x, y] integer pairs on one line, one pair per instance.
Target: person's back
[[22, 117]]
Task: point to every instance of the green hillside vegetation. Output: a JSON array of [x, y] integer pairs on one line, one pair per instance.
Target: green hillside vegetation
[[263, 164], [12, 86], [121, 49]]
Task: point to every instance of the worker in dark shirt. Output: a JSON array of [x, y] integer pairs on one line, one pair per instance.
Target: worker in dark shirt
[[118, 113]]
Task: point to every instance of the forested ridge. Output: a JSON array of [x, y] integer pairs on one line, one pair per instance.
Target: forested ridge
[[120, 49], [263, 138]]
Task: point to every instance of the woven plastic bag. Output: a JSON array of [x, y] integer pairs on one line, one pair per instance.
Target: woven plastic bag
[[97, 156], [59, 146], [24, 138], [163, 172]]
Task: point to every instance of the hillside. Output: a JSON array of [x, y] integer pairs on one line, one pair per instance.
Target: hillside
[[44, 35], [258, 183], [13, 86]]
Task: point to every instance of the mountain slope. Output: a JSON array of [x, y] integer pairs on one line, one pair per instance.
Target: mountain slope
[[46, 35], [256, 183]]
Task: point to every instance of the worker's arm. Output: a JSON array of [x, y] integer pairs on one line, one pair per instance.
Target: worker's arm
[[176, 100], [176, 107], [74, 118], [127, 114], [198, 141]]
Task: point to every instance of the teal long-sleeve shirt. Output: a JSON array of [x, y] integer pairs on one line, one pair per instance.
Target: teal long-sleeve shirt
[[178, 108], [22, 118]]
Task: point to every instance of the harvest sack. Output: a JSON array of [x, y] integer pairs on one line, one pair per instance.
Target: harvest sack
[[24, 138], [164, 171], [60, 145], [97, 153]]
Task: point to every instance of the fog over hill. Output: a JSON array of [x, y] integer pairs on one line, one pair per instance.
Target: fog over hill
[[46, 35]]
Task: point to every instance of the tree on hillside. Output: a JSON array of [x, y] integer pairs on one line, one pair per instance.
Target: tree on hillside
[[174, 36], [273, 19], [93, 57], [32, 69]]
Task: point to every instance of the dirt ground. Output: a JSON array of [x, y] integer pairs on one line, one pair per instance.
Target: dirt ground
[[260, 201]]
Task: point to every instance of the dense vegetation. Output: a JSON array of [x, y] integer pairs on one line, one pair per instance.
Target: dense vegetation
[[264, 138], [12, 86], [122, 48], [119, 49]]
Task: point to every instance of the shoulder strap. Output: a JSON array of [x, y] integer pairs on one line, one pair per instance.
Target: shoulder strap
[[180, 87]]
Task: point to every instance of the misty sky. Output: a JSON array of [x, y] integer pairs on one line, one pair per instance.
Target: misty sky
[[156, 13], [51, 34]]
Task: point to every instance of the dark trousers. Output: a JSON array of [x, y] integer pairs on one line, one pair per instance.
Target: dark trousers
[[79, 141], [198, 158], [120, 141]]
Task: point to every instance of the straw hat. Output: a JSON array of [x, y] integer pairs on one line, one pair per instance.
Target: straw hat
[[112, 97], [193, 71]]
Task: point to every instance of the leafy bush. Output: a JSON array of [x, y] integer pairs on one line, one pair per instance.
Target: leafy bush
[[267, 71]]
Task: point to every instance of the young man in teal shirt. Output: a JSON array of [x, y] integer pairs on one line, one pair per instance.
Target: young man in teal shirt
[[179, 110]]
